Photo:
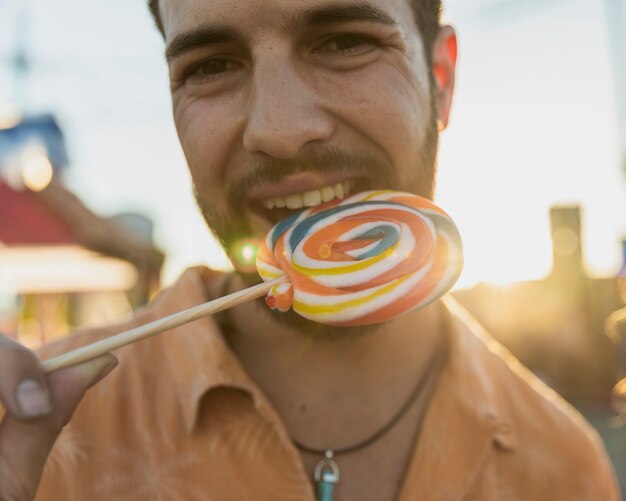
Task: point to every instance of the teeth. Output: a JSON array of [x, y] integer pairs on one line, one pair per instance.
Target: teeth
[[310, 198], [327, 194], [294, 201], [338, 191]]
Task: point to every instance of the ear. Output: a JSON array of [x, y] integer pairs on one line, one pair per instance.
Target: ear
[[444, 68]]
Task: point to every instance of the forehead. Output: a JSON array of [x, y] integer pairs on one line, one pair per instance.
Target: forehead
[[180, 16]]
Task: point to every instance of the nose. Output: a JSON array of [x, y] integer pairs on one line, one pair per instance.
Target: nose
[[285, 112]]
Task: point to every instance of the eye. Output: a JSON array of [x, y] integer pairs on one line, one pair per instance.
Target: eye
[[350, 44], [209, 69]]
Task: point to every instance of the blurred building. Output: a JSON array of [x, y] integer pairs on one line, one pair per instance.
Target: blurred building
[[61, 265], [556, 326]]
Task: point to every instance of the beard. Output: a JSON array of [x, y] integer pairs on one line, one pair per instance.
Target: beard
[[231, 222]]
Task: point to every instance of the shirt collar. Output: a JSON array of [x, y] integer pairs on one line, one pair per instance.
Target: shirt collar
[[196, 354], [468, 414]]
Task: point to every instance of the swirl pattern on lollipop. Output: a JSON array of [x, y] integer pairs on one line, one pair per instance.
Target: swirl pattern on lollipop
[[362, 260]]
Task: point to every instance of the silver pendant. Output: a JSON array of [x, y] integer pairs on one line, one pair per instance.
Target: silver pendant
[[326, 477]]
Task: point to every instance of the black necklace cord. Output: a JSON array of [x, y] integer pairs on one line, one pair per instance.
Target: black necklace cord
[[432, 370]]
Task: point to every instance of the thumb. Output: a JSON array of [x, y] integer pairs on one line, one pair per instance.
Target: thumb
[[67, 386], [26, 444]]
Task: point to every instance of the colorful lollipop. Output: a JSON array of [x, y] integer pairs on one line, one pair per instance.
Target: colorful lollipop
[[359, 261], [362, 260]]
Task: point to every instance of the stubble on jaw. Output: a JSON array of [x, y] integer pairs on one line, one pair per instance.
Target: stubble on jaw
[[230, 222]]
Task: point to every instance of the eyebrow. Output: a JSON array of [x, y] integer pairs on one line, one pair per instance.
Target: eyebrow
[[340, 13], [199, 37], [314, 16]]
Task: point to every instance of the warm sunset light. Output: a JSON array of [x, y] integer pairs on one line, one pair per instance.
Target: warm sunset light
[[48, 270], [36, 169], [9, 119], [248, 253], [244, 254], [377, 228]]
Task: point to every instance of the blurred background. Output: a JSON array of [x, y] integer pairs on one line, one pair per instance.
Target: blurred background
[[96, 211]]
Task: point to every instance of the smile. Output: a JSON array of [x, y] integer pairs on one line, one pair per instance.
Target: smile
[[310, 198]]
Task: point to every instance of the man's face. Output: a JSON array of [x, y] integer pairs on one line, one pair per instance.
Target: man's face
[[276, 98]]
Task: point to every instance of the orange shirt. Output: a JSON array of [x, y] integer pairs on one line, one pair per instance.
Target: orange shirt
[[179, 419]]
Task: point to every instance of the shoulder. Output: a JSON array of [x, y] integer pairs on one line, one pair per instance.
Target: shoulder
[[556, 440], [557, 449], [545, 444]]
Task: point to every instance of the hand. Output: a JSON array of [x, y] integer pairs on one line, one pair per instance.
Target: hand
[[38, 406]]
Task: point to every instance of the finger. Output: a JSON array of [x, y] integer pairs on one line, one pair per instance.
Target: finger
[[69, 385], [23, 387], [26, 444]]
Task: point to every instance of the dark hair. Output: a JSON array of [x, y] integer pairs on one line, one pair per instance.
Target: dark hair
[[427, 14]]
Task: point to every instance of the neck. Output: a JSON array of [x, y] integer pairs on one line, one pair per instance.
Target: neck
[[333, 392]]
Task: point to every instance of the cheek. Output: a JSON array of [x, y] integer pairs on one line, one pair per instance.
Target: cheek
[[388, 104], [207, 131]]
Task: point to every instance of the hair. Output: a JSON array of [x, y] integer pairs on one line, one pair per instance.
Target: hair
[[427, 14]]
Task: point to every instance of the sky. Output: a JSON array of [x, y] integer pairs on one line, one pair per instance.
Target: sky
[[533, 125]]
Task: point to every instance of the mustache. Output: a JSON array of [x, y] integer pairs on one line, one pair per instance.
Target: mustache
[[322, 161]]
